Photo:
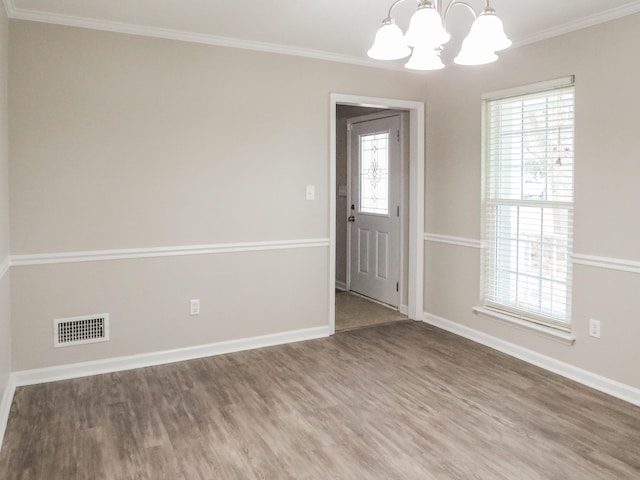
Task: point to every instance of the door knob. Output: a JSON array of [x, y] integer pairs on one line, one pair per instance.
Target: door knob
[[351, 219]]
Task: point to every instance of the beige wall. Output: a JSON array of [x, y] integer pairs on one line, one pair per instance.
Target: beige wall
[[607, 195], [121, 141], [128, 142], [5, 332], [242, 295]]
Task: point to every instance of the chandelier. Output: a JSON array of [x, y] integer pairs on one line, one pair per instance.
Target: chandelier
[[427, 35]]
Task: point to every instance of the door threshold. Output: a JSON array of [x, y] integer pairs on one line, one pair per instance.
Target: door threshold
[[390, 307]]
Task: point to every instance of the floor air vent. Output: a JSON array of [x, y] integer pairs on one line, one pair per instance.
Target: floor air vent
[[81, 330]]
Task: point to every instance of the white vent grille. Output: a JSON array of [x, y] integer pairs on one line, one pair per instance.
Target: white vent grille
[[81, 330]]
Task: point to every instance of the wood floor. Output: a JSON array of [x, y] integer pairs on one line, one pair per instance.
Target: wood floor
[[398, 401]]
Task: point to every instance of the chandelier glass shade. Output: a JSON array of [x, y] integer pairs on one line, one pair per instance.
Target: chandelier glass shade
[[425, 28], [424, 59], [389, 43], [427, 34]]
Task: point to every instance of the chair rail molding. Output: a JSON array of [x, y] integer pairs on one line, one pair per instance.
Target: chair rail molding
[[451, 240], [131, 253], [620, 264], [610, 263]]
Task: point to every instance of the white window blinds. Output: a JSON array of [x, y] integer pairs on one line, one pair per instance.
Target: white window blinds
[[528, 204]]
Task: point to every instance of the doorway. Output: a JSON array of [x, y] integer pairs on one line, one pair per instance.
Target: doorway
[[408, 301], [371, 181], [376, 162]]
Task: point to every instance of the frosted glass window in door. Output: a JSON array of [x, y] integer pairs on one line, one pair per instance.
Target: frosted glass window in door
[[374, 173]]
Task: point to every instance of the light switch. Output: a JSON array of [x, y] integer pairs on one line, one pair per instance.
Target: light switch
[[311, 192], [342, 190]]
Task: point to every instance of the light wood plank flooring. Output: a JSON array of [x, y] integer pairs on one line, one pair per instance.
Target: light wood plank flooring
[[397, 401]]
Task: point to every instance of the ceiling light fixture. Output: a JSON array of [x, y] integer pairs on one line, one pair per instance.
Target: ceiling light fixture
[[427, 34]]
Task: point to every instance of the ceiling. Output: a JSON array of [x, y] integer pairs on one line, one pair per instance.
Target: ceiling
[[339, 30]]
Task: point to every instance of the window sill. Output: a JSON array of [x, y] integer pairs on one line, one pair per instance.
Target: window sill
[[567, 338]]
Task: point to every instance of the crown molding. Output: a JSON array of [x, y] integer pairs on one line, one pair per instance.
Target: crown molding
[[185, 36], [579, 24], [220, 41]]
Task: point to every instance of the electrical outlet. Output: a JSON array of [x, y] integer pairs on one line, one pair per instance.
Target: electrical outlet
[[194, 307], [594, 328]]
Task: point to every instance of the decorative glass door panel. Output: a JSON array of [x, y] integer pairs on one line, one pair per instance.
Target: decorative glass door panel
[[374, 173]]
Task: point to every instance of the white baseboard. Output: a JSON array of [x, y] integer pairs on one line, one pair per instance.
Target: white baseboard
[[619, 390], [5, 406], [404, 309], [341, 286], [109, 365]]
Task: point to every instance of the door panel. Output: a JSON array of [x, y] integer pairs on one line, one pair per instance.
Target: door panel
[[375, 158], [382, 247], [363, 251]]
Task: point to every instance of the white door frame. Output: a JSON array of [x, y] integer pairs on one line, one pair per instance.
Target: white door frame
[[416, 196]]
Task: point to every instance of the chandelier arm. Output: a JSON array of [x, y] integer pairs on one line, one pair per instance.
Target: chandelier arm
[[393, 5], [462, 4]]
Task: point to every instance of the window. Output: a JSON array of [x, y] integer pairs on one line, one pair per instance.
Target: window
[[528, 202]]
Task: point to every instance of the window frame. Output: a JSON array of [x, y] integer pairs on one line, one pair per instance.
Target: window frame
[[489, 244]]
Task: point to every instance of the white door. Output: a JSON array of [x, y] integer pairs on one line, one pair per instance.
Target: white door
[[374, 216]]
